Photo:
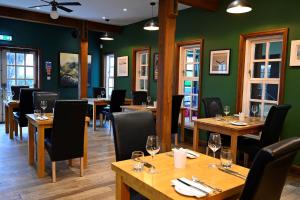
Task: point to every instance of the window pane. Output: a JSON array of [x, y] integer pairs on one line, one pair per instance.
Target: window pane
[[29, 59], [258, 106], [30, 83], [271, 92], [111, 61], [197, 55], [187, 101], [195, 87], [11, 73], [29, 72], [267, 108], [142, 84], [196, 70], [111, 72], [189, 56], [20, 72], [187, 87], [275, 50], [274, 69], [9, 84], [110, 91], [144, 71], [20, 82], [110, 82], [260, 51], [259, 70], [256, 91], [20, 59], [10, 58], [143, 59], [195, 102]]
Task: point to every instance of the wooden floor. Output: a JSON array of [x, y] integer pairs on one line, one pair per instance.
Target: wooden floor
[[18, 180]]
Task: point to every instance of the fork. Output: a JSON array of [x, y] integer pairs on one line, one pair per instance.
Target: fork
[[215, 189]]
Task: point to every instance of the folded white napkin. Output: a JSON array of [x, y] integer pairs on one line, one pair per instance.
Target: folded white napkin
[[150, 107], [190, 153], [42, 118], [187, 190]]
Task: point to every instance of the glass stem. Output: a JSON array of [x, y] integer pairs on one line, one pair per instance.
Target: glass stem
[[214, 153]]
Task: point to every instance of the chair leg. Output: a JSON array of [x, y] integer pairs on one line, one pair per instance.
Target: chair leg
[[176, 139], [21, 134], [109, 126], [101, 119], [81, 167], [16, 128], [246, 159], [53, 172]]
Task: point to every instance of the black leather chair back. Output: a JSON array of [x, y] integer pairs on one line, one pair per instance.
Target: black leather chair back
[[50, 97], [270, 167], [273, 125], [116, 100], [16, 90], [68, 129], [212, 106], [26, 103], [138, 97], [97, 92], [130, 130], [176, 105]]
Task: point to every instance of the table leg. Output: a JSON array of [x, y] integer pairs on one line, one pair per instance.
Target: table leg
[[11, 122], [122, 190], [85, 145], [182, 125], [196, 137], [101, 119], [94, 116], [233, 147], [30, 143], [41, 152], [6, 120]]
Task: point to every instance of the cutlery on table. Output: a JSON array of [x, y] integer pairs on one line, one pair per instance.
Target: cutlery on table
[[231, 172], [191, 186], [215, 189]]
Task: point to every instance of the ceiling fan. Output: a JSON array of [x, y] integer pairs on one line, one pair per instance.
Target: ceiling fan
[[57, 5]]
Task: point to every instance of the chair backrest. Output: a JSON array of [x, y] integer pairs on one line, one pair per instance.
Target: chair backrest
[[130, 130], [176, 105], [116, 100], [50, 97], [273, 125], [16, 90], [68, 129], [270, 167], [26, 101], [138, 97], [212, 106], [97, 91]]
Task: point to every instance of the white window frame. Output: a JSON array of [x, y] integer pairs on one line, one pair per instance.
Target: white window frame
[[139, 66], [109, 66]]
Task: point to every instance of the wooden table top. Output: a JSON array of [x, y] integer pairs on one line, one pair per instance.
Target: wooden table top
[[91, 101], [160, 183], [139, 107], [11, 102]]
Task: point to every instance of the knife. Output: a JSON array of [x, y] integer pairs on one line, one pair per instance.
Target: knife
[[181, 181], [234, 173]]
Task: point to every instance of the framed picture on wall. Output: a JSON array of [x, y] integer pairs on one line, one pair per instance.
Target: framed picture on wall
[[68, 69], [295, 53], [219, 62], [155, 66], [122, 66]]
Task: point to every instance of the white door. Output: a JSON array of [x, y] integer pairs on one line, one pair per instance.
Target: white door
[[142, 69]]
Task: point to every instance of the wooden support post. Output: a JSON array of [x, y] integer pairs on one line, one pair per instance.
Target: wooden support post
[[83, 60], [167, 26]]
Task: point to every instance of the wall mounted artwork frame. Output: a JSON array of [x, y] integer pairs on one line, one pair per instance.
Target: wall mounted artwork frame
[[219, 62], [68, 70], [155, 66], [122, 66], [295, 53]]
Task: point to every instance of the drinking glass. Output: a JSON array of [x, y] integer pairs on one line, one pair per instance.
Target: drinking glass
[[37, 113], [214, 143], [149, 99], [226, 157], [137, 157], [226, 110], [102, 93], [254, 109], [43, 105], [152, 147]]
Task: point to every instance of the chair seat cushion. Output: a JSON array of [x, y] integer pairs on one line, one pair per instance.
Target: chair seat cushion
[[249, 145]]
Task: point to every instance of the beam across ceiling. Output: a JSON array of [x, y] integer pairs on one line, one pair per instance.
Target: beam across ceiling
[[211, 5], [24, 15]]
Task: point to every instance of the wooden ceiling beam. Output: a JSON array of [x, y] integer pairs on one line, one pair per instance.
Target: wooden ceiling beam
[[36, 17], [210, 5]]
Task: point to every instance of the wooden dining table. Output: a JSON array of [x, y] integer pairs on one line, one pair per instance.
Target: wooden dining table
[[158, 186], [41, 125], [101, 102], [9, 117], [153, 110], [224, 126]]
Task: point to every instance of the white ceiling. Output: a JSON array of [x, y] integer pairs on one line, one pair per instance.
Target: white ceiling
[[94, 10]]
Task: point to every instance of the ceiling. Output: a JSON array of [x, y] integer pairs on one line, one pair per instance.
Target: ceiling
[[94, 10]]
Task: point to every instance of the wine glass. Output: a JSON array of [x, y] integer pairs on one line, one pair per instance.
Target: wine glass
[[152, 147], [214, 143], [254, 109], [148, 99], [43, 105], [102, 93], [226, 110]]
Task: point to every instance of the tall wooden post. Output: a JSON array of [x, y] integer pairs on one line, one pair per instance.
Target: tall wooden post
[[83, 77], [167, 27]]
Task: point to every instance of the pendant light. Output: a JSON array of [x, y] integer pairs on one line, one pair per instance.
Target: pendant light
[[106, 35], [238, 7], [54, 14], [151, 25]]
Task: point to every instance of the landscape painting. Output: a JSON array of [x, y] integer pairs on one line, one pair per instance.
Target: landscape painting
[[69, 69]]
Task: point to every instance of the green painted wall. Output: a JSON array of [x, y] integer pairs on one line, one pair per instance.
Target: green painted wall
[[221, 30], [51, 40]]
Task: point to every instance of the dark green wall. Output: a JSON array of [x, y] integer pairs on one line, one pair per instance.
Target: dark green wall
[[51, 40], [221, 30]]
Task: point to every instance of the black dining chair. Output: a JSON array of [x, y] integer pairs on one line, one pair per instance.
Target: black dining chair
[[212, 107], [269, 171], [176, 105], [139, 97], [67, 136], [25, 107], [50, 97], [270, 133], [15, 89]]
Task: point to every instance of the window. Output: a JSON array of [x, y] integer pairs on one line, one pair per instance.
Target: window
[[109, 73], [262, 74], [189, 73], [141, 69]]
